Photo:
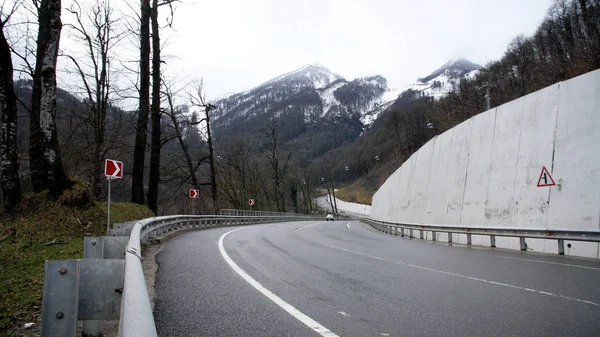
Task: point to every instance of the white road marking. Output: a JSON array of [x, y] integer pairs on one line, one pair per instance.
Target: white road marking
[[547, 262], [466, 277], [312, 224], [348, 225], [345, 314], [309, 322]]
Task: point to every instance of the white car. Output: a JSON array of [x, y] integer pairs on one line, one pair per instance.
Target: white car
[[329, 217]]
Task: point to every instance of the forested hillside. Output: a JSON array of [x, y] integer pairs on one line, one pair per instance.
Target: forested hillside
[[278, 143], [566, 44]]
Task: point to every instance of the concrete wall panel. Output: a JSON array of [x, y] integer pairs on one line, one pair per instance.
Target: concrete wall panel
[[485, 170]]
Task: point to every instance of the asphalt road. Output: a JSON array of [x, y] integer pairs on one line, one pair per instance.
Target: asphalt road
[[343, 279]]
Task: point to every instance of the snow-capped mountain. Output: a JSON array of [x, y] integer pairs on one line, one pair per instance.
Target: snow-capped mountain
[[311, 75], [312, 92], [315, 100], [446, 78]]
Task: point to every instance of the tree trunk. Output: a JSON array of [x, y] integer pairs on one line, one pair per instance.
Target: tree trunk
[[154, 176], [98, 156], [211, 153], [139, 154], [47, 167], [9, 161]]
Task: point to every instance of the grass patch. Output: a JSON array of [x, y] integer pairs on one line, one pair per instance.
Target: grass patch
[[45, 230], [356, 193]]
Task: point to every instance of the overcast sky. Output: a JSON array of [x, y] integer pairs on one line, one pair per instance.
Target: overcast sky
[[238, 44]]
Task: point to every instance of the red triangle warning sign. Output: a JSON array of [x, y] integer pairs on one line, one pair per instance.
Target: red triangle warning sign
[[545, 178]]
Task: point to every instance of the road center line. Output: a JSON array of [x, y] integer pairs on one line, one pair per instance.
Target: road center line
[[297, 314], [312, 224], [466, 277], [546, 262]]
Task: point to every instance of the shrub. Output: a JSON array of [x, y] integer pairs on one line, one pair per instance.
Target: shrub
[[80, 194]]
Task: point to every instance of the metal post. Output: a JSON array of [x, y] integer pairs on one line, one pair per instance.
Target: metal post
[[561, 247], [468, 239], [421, 234], [61, 298], [411, 233], [93, 248], [523, 244], [449, 237], [433, 236], [493, 241], [108, 213]]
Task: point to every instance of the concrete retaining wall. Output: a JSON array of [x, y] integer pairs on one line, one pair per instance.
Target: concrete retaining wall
[[348, 207], [485, 171]]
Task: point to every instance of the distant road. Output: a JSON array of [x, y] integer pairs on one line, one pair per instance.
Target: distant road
[[343, 279]]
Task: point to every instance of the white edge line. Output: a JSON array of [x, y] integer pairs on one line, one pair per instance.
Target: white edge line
[[297, 314], [466, 277], [312, 224], [348, 225]]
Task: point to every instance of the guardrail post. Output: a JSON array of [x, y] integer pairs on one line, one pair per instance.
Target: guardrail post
[[411, 233], [561, 247], [402, 231], [421, 234], [523, 244], [469, 239], [61, 298], [449, 237], [433, 236], [92, 248], [493, 241]]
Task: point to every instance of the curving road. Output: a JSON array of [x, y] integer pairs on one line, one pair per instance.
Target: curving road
[[344, 279]]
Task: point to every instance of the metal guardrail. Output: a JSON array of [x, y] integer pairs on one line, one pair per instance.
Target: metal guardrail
[[243, 212], [560, 235], [109, 284]]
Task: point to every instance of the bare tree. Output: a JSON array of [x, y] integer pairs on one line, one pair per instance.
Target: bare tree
[[180, 125], [198, 99], [155, 110], [235, 178], [155, 145], [44, 152], [279, 162], [139, 155], [95, 27], [9, 160]]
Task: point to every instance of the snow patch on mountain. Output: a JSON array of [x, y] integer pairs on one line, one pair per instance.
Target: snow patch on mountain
[[314, 75], [327, 96], [446, 78]]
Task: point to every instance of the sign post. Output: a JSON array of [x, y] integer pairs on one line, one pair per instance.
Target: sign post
[[113, 169], [194, 194], [251, 203]]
